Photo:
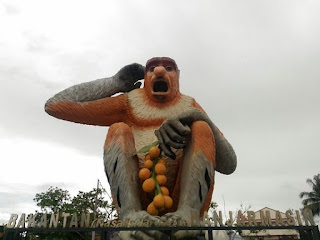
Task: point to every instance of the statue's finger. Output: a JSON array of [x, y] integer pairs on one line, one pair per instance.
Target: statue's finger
[[136, 71], [168, 141], [183, 130], [166, 149], [174, 135]]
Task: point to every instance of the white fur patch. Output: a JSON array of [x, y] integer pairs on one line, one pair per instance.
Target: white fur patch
[[142, 110], [146, 137], [143, 138]]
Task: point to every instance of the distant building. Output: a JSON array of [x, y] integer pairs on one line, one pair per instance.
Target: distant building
[[277, 234]]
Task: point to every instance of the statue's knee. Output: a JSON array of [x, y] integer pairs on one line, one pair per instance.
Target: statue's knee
[[201, 128], [119, 133], [119, 130], [203, 140]]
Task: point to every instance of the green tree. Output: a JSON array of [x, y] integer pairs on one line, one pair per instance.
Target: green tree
[[53, 200], [312, 200], [213, 206], [56, 200], [88, 201]]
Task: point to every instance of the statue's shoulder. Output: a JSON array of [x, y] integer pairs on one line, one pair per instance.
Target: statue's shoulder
[[136, 96], [187, 99]]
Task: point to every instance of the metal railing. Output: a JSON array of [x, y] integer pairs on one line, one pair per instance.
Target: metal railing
[[310, 232]]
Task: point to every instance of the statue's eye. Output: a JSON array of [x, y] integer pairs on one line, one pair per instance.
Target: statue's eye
[[169, 69], [151, 69]]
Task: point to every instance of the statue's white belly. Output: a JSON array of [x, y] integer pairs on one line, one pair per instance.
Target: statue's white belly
[[146, 137]]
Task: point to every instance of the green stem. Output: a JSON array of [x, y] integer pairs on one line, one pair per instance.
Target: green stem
[[158, 190]]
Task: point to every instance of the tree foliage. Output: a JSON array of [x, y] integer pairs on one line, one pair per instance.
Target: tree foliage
[[312, 199], [56, 200], [85, 202], [53, 200]]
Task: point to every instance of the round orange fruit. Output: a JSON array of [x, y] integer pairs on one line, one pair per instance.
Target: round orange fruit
[[161, 161], [161, 209], [162, 179], [147, 157], [148, 185], [168, 202], [144, 173], [160, 169], [158, 201], [164, 191], [148, 164], [151, 209], [154, 152]]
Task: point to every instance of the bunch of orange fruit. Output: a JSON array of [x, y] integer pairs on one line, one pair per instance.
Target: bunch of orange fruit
[[154, 179]]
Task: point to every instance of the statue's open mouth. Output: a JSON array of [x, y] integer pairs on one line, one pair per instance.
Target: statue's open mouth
[[160, 86]]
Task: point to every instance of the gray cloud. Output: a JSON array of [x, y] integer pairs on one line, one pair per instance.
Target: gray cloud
[[10, 9], [253, 66], [18, 198]]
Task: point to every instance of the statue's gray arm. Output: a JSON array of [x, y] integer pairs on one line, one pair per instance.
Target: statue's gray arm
[[226, 157], [124, 81]]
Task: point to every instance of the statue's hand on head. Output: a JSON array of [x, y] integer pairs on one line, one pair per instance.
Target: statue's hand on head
[[129, 75]]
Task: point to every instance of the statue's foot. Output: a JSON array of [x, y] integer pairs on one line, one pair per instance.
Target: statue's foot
[[140, 215], [142, 235], [182, 214]]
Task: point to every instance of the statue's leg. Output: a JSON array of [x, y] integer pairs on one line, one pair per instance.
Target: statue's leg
[[122, 168], [122, 172], [196, 175], [197, 169]]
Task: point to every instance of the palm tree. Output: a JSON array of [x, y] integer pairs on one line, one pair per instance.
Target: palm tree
[[312, 200]]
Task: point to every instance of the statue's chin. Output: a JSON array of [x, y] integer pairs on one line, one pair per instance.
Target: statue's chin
[[160, 97]]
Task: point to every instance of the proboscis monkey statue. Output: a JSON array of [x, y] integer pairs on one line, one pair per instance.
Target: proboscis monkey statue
[[193, 145]]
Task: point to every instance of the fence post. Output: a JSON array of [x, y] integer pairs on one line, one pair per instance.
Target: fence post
[[315, 233], [210, 234]]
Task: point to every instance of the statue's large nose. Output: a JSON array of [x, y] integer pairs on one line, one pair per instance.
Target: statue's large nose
[[159, 71]]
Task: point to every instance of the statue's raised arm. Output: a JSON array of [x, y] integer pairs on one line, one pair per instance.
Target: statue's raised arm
[[91, 102]]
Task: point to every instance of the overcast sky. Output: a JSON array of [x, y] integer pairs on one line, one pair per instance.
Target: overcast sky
[[254, 66]]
